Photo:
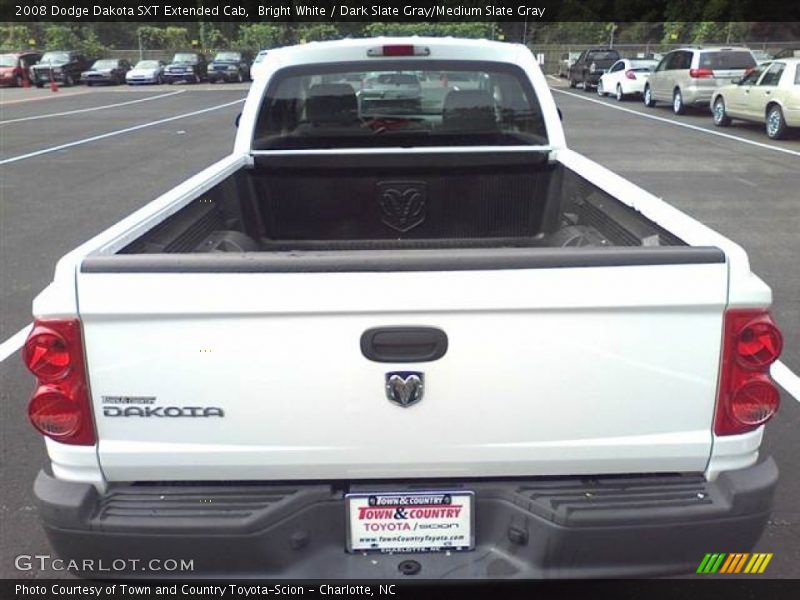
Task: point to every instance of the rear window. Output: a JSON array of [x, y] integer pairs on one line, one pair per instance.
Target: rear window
[[449, 104], [228, 57], [797, 76], [185, 58], [395, 79], [603, 55], [105, 64], [641, 66], [727, 60]]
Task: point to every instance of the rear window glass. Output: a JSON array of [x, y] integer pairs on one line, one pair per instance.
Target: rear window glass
[[228, 56], [405, 103], [185, 58], [105, 64], [603, 55], [55, 57], [727, 60]]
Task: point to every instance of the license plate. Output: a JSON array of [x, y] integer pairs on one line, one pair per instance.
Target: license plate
[[410, 521]]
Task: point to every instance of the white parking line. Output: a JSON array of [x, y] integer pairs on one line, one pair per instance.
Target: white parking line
[[786, 379], [103, 136], [90, 109], [679, 124], [14, 343]]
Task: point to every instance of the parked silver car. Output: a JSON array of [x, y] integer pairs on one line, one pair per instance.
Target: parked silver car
[[688, 76], [769, 94]]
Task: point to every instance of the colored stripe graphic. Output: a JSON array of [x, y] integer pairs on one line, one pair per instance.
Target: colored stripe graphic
[[727, 564], [731, 563], [713, 563], [703, 563], [767, 558], [737, 562], [755, 562], [740, 563]]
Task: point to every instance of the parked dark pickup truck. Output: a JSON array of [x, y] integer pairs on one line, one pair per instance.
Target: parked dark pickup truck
[[230, 66], [591, 64], [63, 66], [190, 67]]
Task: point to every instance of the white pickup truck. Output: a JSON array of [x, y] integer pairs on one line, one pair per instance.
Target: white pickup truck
[[405, 333]]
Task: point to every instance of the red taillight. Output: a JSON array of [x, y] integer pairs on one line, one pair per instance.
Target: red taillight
[[755, 402], [59, 407], [758, 344], [45, 354], [700, 73], [53, 413], [630, 74], [747, 397]]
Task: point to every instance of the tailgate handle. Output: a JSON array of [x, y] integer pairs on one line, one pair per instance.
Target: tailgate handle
[[403, 344]]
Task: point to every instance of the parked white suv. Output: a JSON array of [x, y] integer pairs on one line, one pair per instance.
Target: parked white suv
[[688, 76]]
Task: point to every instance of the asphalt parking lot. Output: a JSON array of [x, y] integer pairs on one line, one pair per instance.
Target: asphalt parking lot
[[75, 162]]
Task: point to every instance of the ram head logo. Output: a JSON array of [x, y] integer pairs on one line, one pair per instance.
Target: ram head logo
[[402, 204], [405, 388]]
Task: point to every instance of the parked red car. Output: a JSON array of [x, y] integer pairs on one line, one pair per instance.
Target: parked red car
[[15, 67]]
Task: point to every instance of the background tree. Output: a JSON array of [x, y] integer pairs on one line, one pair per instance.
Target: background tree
[[15, 36], [258, 36], [316, 32], [60, 37], [465, 30], [176, 38]]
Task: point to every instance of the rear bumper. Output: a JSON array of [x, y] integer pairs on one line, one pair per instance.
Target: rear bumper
[[697, 96], [45, 77], [593, 77], [792, 116], [549, 527], [223, 75], [187, 77]]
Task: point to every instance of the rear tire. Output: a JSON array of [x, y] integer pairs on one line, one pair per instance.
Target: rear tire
[[68, 81], [721, 118], [776, 124], [600, 91], [619, 95], [18, 81], [572, 83], [678, 107], [648, 97]]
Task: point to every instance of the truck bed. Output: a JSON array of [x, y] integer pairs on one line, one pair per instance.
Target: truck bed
[[386, 202]]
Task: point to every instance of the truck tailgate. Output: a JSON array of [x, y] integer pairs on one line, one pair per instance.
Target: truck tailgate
[[608, 369]]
